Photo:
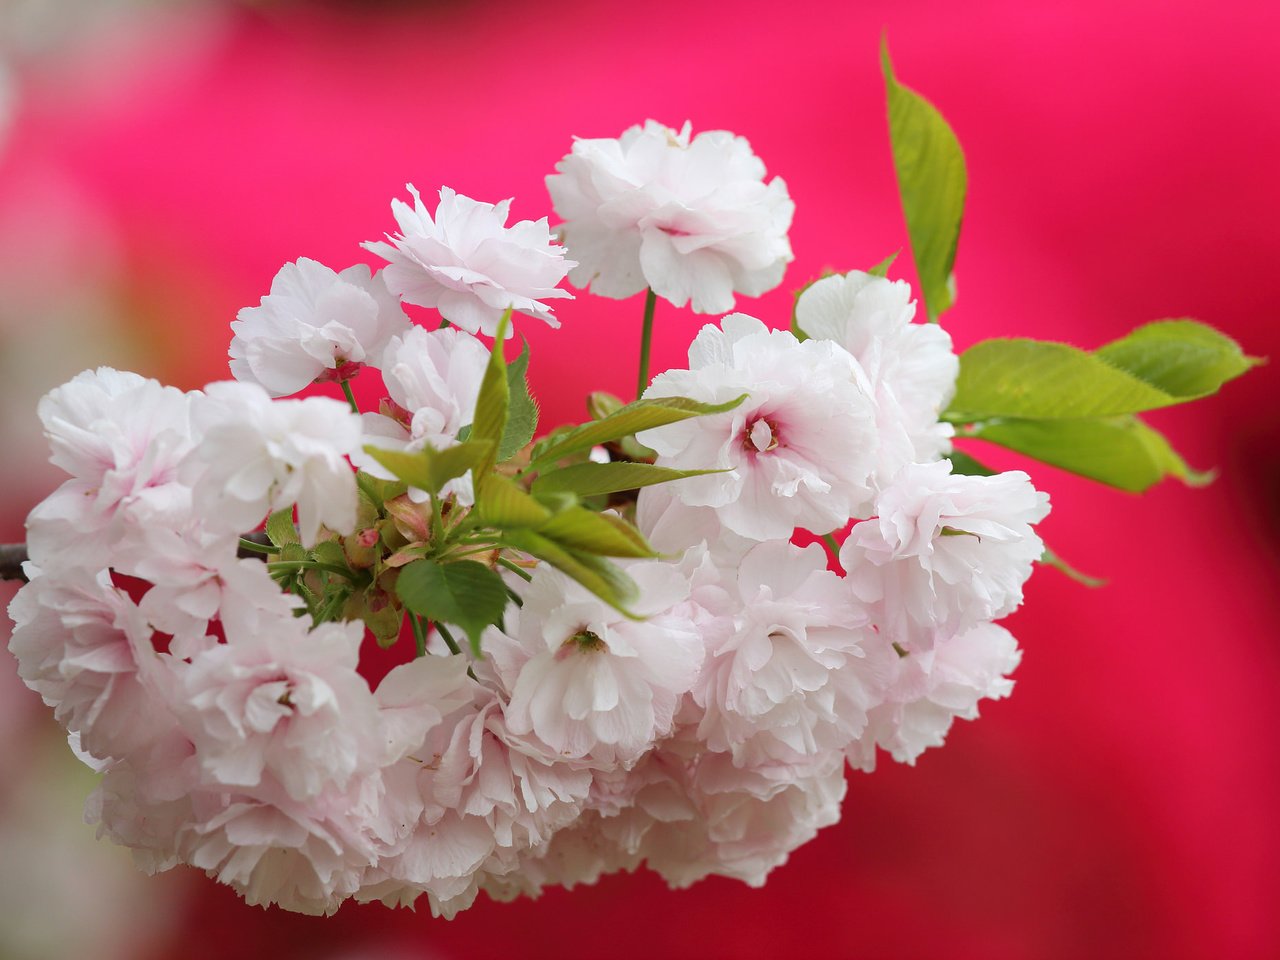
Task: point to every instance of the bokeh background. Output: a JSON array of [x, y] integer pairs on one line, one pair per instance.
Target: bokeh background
[[160, 161]]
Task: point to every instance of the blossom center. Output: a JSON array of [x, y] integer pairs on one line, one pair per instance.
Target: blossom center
[[761, 436], [587, 641]]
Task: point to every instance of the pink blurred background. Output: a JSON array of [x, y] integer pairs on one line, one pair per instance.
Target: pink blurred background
[[158, 164]]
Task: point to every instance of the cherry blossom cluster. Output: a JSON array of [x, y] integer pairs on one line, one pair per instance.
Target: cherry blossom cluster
[[700, 729]]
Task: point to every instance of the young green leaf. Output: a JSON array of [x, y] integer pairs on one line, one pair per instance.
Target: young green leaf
[[593, 479], [963, 464], [330, 552], [597, 533], [1158, 365], [465, 593], [881, 269], [504, 504], [430, 469], [932, 182], [632, 418], [603, 578], [522, 418], [1121, 452], [280, 528], [1046, 381], [601, 404], [1184, 358], [492, 403]]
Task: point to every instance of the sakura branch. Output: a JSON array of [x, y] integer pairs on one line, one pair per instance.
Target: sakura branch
[[611, 651]]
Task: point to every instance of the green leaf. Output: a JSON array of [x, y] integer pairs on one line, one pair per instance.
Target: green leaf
[[1051, 559], [430, 469], [597, 533], [881, 269], [1157, 365], [632, 418], [504, 504], [375, 491], [1121, 452], [280, 528], [522, 418], [593, 479], [965, 465], [606, 580], [1184, 358], [331, 552], [932, 183], [601, 404], [464, 593], [492, 403], [1042, 380]]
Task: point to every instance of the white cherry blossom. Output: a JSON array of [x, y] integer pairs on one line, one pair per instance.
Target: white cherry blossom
[[782, 682], [282, 702], [946, 552], [910, 366], [799, 450], [314, 324], [693, 219], [468, 264], [122, 438], [432, 378], [589, 682], [929, 690], [258, 455], [84, 646]]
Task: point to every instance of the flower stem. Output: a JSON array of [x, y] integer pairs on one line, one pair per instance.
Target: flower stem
[[646, 338], [447, 637], [311, 565], [516, 569], [419, 635], [832, 545], [351, 397]]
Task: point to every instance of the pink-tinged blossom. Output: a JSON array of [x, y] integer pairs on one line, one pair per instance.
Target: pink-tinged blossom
[[196, 578], [487, 797], [693, 219], [700, 816], [945, 553], [592, 684], [85, 647], [282, 703], [788, 674], [469, 265], [144, 801], [432, 378], [315, 323], [910, 366], [799, 450], [307, 858], [930, 690], [121, 437], [259, 455]]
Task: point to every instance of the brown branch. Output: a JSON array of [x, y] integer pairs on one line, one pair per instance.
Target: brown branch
[[12, 555]]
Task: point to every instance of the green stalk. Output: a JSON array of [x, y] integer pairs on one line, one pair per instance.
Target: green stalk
[[312, 565], [515, 568], [447, 637], [419, 635], [351, 397], [832, 545], [646, 338]]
